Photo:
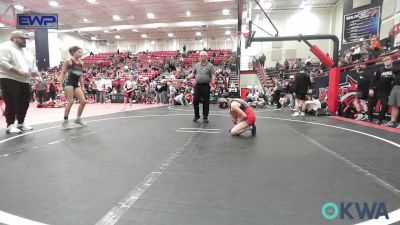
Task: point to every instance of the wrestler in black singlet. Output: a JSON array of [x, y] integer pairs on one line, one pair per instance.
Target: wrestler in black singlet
[[74, 73]]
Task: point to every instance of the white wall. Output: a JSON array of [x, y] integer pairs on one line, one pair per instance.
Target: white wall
[[171, 44], [5, 35], [59, 44], [389, 16], [338, 21], [249, 80], [289, 23]]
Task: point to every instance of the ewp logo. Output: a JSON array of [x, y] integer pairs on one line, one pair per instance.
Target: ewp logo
[[331, 211], [37, 21]]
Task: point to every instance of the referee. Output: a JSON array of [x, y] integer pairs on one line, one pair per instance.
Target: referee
[[204, 73]]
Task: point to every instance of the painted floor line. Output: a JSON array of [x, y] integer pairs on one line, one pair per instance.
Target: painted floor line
[[127, 202], [197, 131], [351, 164], [368, 124], [195, 128], [188, 110], [50, 143], [10, 219], [332, 126], [8, 222]]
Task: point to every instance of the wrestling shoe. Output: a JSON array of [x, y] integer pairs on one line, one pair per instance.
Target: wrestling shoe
[[80, 122], [12, 129], [24, 127], [359, 117], [296, 114], [253, 130], [66, 125], [365, 118], [390, 124]]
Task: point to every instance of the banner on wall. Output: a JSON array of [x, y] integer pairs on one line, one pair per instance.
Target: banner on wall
[[361, 25]]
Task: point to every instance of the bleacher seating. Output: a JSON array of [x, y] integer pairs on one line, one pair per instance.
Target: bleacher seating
[[157, 56]]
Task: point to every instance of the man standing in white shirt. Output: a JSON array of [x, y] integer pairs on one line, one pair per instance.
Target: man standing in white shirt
[[16, 70]]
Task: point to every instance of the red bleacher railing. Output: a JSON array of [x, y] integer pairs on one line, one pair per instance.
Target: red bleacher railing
[[261, 71]]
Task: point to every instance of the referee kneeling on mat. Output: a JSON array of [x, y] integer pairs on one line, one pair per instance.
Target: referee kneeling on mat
[[204, 73]]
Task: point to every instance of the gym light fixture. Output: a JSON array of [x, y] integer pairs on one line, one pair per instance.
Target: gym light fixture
[[198, 33], [150, 15], [144, 35], [228, 32], [225, 11], [53, 3], [188, 13], [170, 34], [117, 37], [116, 17], [92, 1], [18, 7]]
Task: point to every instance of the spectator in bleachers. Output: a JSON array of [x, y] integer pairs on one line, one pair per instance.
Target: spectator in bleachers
[[394, 101], [52, 90], [158, 90], [286, 65], [129, 90], [313, 105], [356, 55], [41, 89], [277, 94], [308, 61], [262, 59], [180, 99], [363, 83], [102, 89], [252, 96], [290, 89], [380, 89]]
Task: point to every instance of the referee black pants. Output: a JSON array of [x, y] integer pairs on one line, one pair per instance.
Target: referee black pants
[[16, 96], [201, 91]]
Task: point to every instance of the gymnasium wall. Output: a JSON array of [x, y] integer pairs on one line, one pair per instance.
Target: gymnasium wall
[[289, 23], [171, 44], [59, 44], [387, 19]]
